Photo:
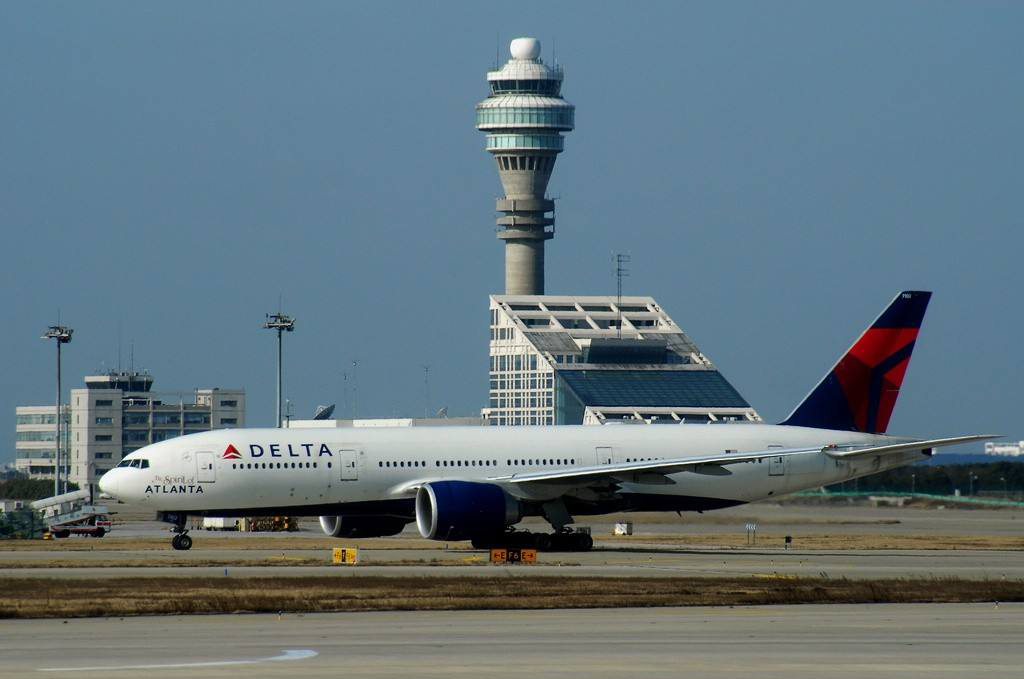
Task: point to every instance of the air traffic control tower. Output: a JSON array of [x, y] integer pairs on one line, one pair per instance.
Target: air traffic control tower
[[524, 118]]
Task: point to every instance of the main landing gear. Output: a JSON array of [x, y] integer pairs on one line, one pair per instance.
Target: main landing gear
[[181, 540], [561, 541]]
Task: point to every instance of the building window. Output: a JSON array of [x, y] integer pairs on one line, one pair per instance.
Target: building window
[[229, 404], [104, 456], [104, 420], [104, 403], [104, 437], [166, 418], [228, 420]]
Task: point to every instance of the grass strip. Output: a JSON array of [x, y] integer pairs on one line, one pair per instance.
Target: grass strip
[[711, 540], [108, 597]]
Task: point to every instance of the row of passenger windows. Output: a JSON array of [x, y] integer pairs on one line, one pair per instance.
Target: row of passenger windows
[[539, 163], [477, 463], [275, 465]]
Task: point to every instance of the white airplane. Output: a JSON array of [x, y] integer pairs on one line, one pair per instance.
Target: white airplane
[[476, 483]]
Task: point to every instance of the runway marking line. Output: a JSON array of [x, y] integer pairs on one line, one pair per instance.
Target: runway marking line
[[286, 655]]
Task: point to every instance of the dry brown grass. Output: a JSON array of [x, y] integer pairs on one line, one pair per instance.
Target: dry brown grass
[[57, 598], [207, 541], [825, 541]]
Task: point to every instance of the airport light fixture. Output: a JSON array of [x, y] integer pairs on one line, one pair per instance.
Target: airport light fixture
[[281, 324], [63, 335]]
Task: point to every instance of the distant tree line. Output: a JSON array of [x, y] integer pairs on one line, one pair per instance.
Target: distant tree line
[[29, 489], [991, 478]]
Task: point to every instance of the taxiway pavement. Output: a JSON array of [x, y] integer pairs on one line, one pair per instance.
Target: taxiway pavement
[[790, 642]]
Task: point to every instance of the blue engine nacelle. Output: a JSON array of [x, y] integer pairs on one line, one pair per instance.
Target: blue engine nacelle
[[461, 510]]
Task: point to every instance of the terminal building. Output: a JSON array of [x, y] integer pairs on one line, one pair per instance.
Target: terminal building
[[112, 416], [573, 359], [589, 360]]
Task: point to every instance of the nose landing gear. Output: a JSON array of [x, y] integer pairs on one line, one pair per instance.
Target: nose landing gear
[[181, 540]]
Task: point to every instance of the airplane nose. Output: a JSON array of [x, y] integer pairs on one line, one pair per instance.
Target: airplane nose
[[108, 483]]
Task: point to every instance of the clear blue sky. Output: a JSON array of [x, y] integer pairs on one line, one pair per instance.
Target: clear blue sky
[[776, 170]]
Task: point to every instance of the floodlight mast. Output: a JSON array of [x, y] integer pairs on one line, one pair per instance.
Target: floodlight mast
[[63, 335], [281, 323]]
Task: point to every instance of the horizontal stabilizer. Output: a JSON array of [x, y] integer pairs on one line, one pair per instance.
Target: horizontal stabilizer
[[842, 452]]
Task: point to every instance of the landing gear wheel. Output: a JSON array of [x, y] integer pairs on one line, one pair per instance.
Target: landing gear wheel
[[181, 542], [584, 543], [100, 532], [542, 542]]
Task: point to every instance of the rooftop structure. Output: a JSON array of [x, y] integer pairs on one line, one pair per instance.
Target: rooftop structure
[[524, 118], [566, 360]]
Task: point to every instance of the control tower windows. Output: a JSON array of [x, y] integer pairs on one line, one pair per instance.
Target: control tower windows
[[548, 87]]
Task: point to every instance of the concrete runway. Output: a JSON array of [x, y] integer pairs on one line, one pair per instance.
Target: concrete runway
[[790, 642]]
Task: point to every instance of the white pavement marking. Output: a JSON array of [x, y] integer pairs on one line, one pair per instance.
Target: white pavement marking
[[286, 655]]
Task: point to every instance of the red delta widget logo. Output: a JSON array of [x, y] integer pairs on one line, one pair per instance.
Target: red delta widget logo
[[231, 453]]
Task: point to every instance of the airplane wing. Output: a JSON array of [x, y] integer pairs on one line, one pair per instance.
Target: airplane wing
[[654, 471], [657, 472]]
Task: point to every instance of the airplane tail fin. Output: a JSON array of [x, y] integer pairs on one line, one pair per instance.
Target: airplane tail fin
[[859, 393]]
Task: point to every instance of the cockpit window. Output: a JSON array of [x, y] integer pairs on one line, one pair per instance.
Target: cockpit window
[[137, 463]]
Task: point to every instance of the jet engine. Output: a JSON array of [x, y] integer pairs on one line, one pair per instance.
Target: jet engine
[[460, 510], [361, 526]]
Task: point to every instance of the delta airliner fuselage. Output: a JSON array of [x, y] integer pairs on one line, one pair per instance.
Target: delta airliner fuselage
[[320, 470]]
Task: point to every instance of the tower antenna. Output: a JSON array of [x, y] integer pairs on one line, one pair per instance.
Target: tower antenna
[[426, 391], [620, 272], [355, 389]]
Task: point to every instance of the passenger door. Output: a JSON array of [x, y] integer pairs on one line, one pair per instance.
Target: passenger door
[[349, 461], [207, 465]]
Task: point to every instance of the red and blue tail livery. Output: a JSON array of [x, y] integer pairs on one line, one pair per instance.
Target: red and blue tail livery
[[860, 391]]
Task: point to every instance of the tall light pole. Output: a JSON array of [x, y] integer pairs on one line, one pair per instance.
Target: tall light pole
[[282, 324], [63, 335]]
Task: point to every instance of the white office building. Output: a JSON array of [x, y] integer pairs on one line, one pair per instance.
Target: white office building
[[34, 435], [1004, 448], [590, 359], [114, 415]]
